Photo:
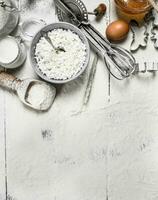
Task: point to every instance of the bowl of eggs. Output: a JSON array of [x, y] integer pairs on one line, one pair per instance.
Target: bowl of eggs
[[59, 53]]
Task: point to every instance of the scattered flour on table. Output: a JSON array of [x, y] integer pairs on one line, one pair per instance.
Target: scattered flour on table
[[62, 65], [33, 9]]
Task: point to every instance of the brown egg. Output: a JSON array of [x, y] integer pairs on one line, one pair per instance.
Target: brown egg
[[117, 30]]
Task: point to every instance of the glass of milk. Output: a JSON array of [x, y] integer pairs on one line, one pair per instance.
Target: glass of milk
[[12, 52]]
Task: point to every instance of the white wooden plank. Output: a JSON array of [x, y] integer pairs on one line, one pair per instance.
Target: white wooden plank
[[132, 145], [70, 161], [51, 157], [107, 152], [3, 161]]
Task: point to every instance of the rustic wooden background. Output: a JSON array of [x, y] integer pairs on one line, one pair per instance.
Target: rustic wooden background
[[107, 152]]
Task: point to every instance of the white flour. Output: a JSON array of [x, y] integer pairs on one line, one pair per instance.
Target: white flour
[[3, 17], [40, 95], [62, 65], [8, 50]]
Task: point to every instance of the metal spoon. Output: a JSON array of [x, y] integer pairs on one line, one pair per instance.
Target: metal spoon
[[22, 88], [57, 49]]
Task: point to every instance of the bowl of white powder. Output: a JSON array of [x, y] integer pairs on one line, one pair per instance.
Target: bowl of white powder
[[61, 66]]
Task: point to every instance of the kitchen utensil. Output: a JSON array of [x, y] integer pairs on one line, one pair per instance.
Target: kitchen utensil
[[9, 16], [22, 88], [61, 25], [99, 11], [118, 60], [57, 49], [13, 45]]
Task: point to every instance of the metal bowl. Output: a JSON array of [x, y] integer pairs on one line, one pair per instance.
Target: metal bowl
[[61, 25]]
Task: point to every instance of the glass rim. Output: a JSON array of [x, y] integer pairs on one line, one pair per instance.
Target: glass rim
[[4, 64]]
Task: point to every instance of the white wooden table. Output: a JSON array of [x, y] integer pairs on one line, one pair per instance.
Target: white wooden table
[[108, 152]]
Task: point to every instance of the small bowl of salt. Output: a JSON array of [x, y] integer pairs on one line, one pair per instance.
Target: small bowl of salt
[[59, 52]]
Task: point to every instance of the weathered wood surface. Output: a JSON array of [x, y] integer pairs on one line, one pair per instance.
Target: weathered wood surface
[[108, 152]]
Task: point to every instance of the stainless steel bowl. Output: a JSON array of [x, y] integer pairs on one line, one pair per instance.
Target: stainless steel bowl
[[61, 25]]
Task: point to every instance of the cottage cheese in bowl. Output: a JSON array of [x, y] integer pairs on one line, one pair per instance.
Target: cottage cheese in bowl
[[61, 66]]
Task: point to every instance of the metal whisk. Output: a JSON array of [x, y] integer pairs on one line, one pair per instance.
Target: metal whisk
[[118, 60]]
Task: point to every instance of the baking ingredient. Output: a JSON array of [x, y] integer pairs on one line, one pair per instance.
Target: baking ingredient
[[3, 17], [33, 93], [40, 95], [8, 17], [62, 65], [8, 50], [133, 10], [117, 30]]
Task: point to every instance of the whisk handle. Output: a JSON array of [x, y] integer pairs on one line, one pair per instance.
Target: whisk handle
[[9, 81]]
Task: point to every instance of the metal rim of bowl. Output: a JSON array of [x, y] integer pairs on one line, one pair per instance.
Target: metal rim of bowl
[[66, 26]]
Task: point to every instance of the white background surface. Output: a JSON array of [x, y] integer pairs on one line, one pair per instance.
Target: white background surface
[[108, 152]]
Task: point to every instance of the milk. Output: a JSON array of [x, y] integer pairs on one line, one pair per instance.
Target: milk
[[8, 50]]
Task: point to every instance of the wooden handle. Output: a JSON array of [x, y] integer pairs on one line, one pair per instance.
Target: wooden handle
[[9, 81]]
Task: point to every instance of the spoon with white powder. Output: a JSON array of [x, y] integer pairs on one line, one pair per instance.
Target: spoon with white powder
[[33, 93], [46, 36]]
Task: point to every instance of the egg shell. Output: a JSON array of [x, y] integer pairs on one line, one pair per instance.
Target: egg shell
[[117, 30]]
